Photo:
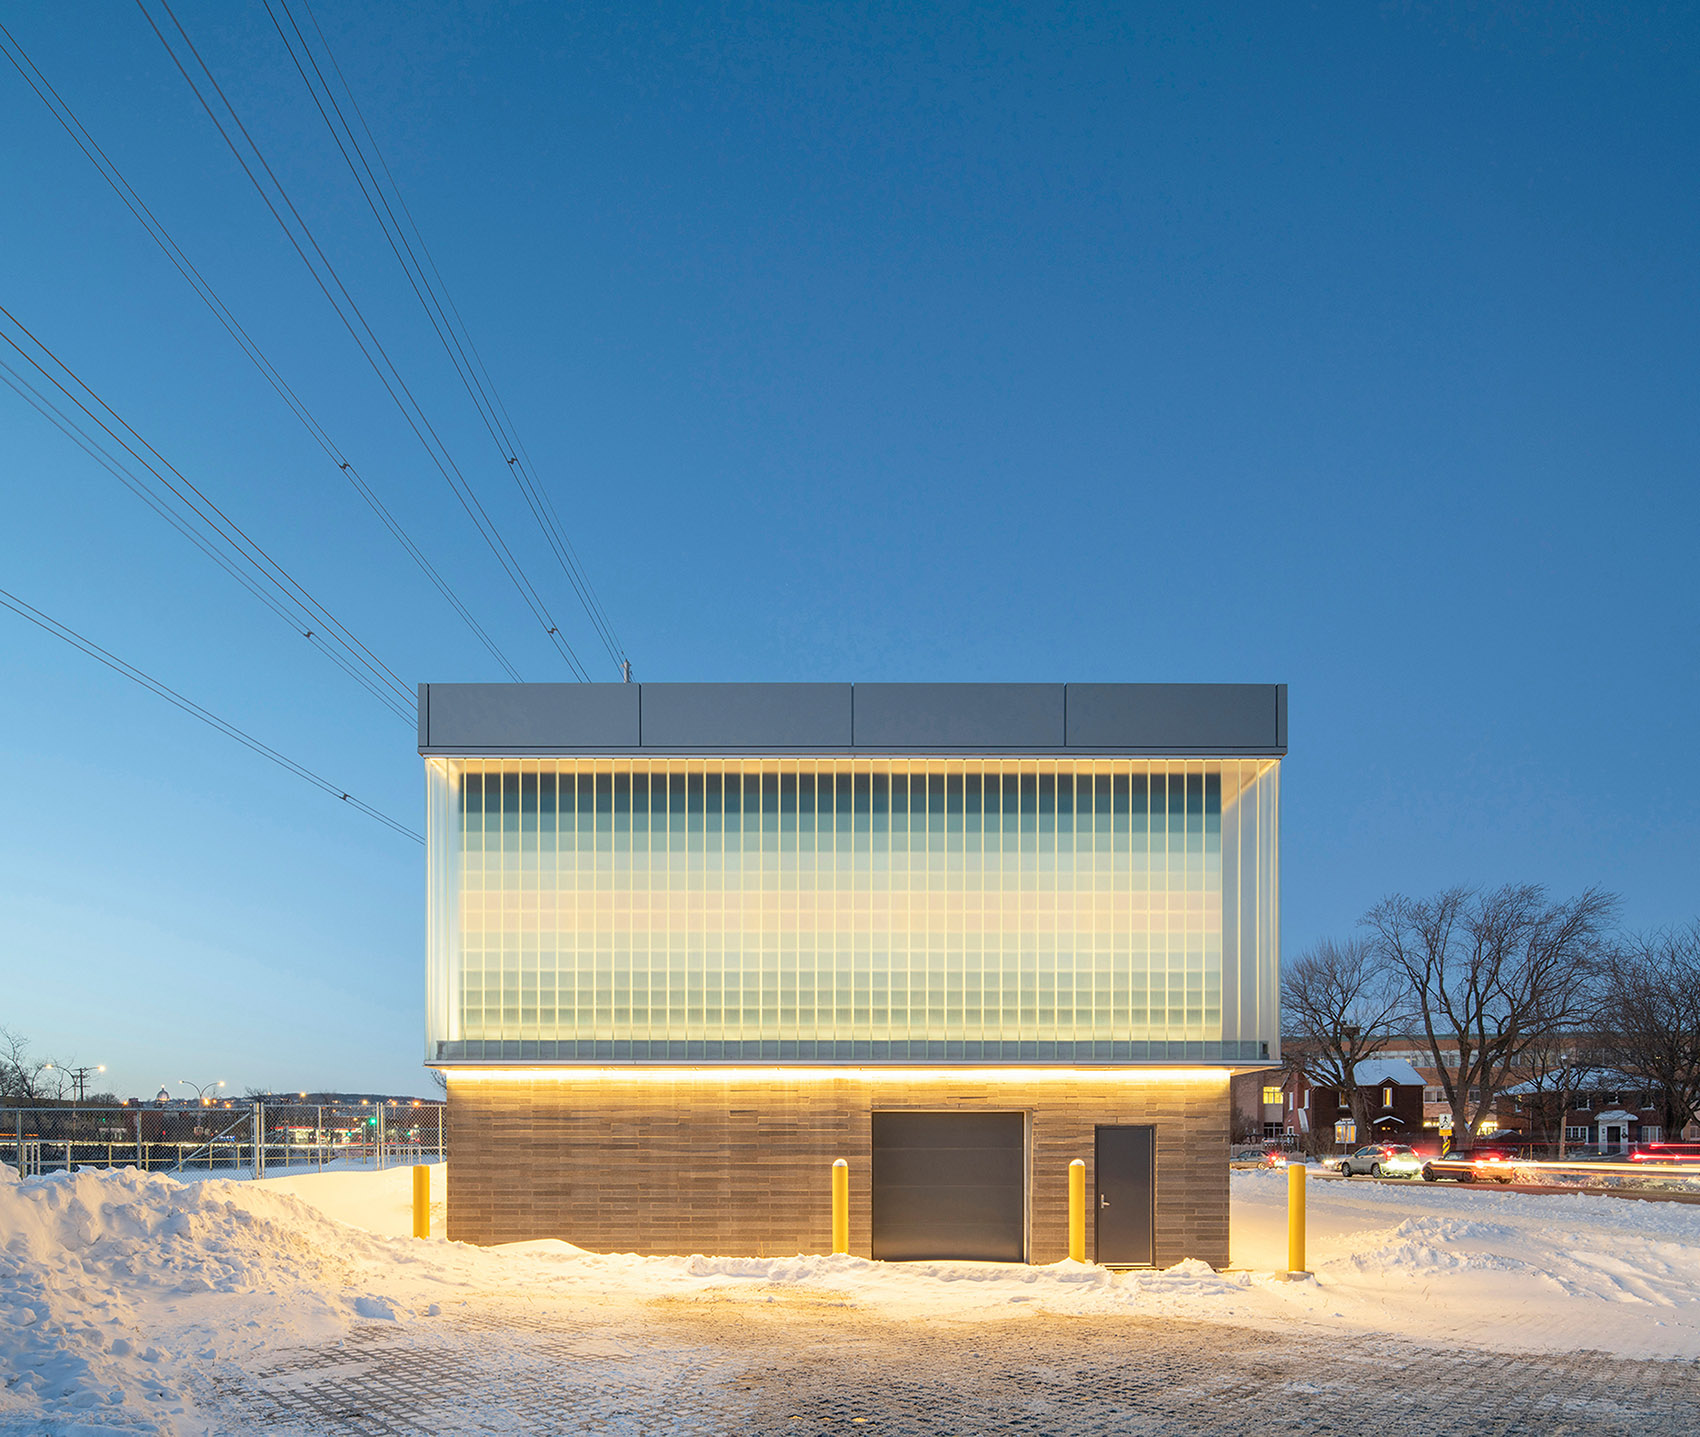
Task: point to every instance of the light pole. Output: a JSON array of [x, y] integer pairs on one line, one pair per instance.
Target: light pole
[[79, 1076], [201, 1089]]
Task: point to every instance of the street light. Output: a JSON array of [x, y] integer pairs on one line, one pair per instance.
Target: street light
[[201, 1089], [79, 1076]]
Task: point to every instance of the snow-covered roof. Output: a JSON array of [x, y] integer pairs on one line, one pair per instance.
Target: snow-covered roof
[[1586, 1080], [1375, 1072]]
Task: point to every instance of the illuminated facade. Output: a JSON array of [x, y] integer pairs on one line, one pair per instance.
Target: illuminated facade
[[684, 883]]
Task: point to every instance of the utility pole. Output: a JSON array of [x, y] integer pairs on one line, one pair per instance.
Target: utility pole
[[80, 1077]]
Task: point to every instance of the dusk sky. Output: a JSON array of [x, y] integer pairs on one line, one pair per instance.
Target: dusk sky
[[1349, 347]]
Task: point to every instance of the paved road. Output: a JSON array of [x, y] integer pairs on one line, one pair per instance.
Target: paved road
[[798, 1364], [1528, 1189]]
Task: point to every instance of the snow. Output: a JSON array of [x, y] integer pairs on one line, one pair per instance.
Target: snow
[[380, 1202], [1373, 1072], [121, 1293]]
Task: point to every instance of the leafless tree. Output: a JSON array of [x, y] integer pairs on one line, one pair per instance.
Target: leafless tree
[[1490, 974], [1652, 1002], [1557, 1067], [25, 1078], [1341, 1003]]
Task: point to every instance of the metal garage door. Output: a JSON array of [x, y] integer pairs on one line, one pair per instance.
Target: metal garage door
[[950, 1185]]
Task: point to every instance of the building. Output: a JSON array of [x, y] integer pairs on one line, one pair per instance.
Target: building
[[1392, 1095], [1605, 1111], [691, 943]]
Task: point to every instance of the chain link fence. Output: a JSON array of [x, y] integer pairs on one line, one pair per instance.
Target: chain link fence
[[240, 1141]]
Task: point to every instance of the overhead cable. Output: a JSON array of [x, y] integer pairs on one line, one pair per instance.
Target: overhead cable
[[206, 716], [330, 284], [109, 171], [426, 281], [196, 517]]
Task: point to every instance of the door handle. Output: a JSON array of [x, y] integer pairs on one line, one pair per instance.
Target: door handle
[[1103, 1201]]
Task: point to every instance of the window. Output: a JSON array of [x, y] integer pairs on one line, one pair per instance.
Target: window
[[1434, 1095], [1575, 1135], [1345, 1133], [1387, 1097], [1651, 1132], [950, 909], [1271, 1095]]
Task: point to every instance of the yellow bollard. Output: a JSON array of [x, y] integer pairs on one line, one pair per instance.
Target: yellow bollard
[[841, 1206], [422, 1201], [1077, 1211], [1295, 1219]]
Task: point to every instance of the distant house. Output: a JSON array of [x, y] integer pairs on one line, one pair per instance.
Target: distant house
[[1611, 1112], [1393, 1094]]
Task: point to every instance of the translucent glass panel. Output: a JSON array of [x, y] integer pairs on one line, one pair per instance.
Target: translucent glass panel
[[1099, 908]]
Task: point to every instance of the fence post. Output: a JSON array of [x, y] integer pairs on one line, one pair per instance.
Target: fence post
[[1077, 1210], [442, 1152], [259, 1139]]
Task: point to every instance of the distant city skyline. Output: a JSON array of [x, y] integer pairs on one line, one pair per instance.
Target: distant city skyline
[[1351, 350]]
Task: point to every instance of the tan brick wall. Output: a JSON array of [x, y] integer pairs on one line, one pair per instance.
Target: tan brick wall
[[701, 1162]]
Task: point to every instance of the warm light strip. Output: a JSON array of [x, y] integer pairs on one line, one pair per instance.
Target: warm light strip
[[844, 1075]]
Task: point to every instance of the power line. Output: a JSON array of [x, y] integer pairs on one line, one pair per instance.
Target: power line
[[206, 716], [252, 566], [436, 301], [359, 329], [61, 111]]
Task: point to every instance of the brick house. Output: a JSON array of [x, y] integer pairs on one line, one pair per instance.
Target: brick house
[[690, 943], [1321, 1112], [1610, 1113]]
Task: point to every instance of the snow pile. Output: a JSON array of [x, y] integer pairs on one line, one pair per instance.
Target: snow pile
[[99, 1270], [380, 1202], [1489, 1267]]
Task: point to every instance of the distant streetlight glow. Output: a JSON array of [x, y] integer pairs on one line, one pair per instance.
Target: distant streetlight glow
[[202, 1089]]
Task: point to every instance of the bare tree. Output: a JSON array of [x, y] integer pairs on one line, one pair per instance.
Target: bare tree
[[1653, 1005], [1556, 1068], [1341, 1003], [27, 1079], [1488, 976]]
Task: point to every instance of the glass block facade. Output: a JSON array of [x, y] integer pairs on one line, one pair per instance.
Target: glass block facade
[[1093, 910]]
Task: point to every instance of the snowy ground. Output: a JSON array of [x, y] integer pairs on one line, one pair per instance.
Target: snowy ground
[[135, 1303]]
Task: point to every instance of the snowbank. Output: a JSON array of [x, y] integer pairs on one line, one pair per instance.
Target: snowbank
[[380, 1202], [116, 1287], [121, 1293]]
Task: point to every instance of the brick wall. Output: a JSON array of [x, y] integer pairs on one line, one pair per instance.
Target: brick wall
[[698, 1162]]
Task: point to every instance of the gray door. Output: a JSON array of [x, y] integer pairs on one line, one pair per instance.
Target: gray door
[[950, 1185], [1126, 1159]]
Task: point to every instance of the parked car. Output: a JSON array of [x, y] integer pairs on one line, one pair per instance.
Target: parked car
[[1496, 1165], [1381, 1160]]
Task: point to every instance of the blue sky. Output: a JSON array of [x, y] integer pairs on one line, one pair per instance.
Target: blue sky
[[1349, 347]]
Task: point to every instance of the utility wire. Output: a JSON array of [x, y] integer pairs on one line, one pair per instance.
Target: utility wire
[[434, 298], [256, 570], [84, 441], [212, 720], [109, 171], [359, 329]]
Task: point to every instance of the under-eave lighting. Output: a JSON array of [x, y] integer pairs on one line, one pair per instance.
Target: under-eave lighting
[[715, 1074]]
